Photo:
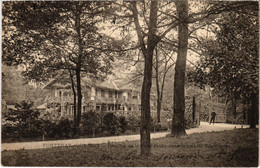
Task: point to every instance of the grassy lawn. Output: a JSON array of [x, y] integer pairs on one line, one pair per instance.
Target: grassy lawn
[[228, 148]]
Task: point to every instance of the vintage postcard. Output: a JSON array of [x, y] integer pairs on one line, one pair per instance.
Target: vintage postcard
[[130, 83]]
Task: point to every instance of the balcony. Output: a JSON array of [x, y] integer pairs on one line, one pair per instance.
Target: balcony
[[121, 100], [60, 100]]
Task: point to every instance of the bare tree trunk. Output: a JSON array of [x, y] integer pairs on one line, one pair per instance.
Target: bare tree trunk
[[234, 107], [145, 108], [178, 122], [78, 69], [75, 104], [193, 108], [159, 105], [79, 101], [158, 87], [147, 51], [163, 80]]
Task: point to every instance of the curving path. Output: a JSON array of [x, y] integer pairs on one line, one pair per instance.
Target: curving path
[[204, 127]]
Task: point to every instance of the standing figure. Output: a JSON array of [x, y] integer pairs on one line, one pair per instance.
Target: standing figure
[[213, 116]]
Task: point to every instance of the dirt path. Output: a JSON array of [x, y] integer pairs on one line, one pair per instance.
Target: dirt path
[[204, 127]]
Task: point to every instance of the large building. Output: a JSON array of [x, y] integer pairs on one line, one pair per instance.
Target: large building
[[118, 96]]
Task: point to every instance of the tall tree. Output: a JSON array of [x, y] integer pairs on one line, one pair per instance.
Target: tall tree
[[197, 20], [64, 41], [178, 123], [162, 67], [156, 22], [147, 81], [230, 63], [150, 28]]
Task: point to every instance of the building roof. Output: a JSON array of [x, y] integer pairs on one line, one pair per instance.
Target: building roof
[[106, 85], [121, 84]]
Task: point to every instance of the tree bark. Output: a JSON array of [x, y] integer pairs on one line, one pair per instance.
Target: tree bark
[[145, 107], [79, 101], [159, 105], [234, 108], [78, 69], [178, 121], [147, 51], [75, 104], [158, 88], [193, 108]]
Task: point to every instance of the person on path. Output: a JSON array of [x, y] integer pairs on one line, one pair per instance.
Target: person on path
[[213, 116]]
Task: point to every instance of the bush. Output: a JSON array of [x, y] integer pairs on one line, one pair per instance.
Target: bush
[[47, 128], [90, 123], [123, 124], [133, 123], [153, 125], [59, 128], [189, 123], [64, 128], [111, 124], [160, 127], [22, 122], [10, 130]]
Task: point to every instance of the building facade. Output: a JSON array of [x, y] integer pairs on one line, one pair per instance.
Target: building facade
[[115, 96]]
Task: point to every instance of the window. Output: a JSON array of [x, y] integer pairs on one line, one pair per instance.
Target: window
[[116, 94], [98, 92], [72, 110], [119, 94], [134, 97], [103, 107], [124, 97], [129, 94], [102, 93], [112, 107], [98, 108], [110, 94], [64, 111], [59, 109]]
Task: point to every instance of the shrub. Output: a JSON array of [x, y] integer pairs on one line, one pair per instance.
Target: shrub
[[153, 125], [90, 122], [123, 124], [189, 123], [22, 122], [10, 130], [133, 123], [160, 127], [111, 124], [47, 128], [59, 128], [64, 128]]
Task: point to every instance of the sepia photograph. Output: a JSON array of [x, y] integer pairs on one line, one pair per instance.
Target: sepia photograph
[[167, 83]]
